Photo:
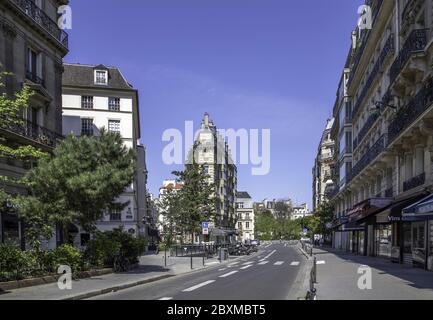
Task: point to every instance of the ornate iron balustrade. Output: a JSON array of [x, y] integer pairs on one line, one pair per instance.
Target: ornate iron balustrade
[[34, 78], [33, 131], [360, 51], [29, 8], [415, 42], [370, 121], [386, 51], [414, 182], [368, 157], [408, 114]]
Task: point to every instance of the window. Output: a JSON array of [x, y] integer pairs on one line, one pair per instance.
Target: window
[[87, 102], [247, 225], [87, 127], [114, 126], [115, 215], [206, 169], [240, 205], [32, 61], [101, 77], [114, 104], [247, 215], [239, 225]]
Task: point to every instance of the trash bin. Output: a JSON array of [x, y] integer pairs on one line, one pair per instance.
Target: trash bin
[[224, 254]]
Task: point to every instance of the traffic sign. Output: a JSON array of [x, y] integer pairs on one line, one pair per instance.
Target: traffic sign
[[205, 225]]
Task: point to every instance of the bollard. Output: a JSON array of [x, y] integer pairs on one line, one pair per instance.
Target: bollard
[[315, 270]]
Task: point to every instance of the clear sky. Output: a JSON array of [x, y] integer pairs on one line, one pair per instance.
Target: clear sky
[[252, 64]]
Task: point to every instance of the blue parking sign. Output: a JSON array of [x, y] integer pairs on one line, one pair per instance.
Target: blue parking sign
[[205, 225]]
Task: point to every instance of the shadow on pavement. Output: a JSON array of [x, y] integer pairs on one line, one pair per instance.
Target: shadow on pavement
[[415, 277]]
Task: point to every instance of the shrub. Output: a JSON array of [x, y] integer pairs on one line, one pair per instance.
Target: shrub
[[15, 264], [67, 255], [130, 247], [101, 250]]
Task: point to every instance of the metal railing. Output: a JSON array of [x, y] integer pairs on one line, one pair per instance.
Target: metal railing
[[416, 42], [29, 8], [33, 77], [414, 182], [32, 131]]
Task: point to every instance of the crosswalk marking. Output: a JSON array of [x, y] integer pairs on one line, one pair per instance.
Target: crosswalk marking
[[228, 274], [270, 254], [211, 263], [249, 262], [247, 266], [166, 298], [263, 263], [320, 262], [233, 264], [198, 286], [295, 263], [278, 263]]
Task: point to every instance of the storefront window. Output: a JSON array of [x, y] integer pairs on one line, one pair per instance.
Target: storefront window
[[383, 240], [418, 243], [407, 238], [430, 255], [361, 242]]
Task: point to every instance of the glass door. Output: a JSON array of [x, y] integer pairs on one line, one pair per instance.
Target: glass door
[[418, 243]]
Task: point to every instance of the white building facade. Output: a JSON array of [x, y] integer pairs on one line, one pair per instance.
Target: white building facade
[[245, 217], [96, 97]]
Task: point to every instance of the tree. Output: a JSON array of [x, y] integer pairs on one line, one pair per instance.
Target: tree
[[196, 202], [264, 224], [325, 215], [169, 207], [77, 185]]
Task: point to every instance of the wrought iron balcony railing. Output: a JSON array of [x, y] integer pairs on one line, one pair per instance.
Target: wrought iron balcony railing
[[415, 108], [368, 157], [32, 131], [370, 121], [386, 51], [29, 8], [360, 51], [414, 182], [415, 43], [34, 78]]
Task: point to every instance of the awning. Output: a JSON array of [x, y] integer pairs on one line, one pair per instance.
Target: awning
[[367, 208], [422, 209], [393, 212], [353, 226]]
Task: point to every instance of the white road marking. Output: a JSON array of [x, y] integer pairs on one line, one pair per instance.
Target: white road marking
[[246, 267], [278, 263], [320, 262], [295, 263], [211, 263], [233, 264], [263, 263], [228, 274], [249, 262], [198, 286], [222, 269], [270, 254], [166, 298]]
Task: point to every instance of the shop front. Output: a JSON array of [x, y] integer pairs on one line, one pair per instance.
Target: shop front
[[366, 240], [418, 224]]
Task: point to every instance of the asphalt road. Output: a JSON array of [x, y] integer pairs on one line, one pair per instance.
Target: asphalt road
[[269, 274]]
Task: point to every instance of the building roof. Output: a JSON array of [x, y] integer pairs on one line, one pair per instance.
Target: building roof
[[83, 75], [242, 195]]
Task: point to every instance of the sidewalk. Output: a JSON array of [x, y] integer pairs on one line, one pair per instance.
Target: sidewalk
[[151, 269], [337, 277]]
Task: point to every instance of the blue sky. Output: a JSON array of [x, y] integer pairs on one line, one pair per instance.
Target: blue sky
[[254, 64]]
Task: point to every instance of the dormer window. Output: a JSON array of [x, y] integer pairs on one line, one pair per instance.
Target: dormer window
[[101, 77]]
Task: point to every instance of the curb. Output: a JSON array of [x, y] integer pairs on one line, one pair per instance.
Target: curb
[[304, 253], [116, 288]]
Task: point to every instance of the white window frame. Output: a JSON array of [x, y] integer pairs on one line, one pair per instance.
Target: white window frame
[[111, 121], [106, 77]]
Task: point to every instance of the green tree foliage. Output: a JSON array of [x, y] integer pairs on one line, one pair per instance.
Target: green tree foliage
[[325, 215], [273, 227], [78, 184], [194, 202], [170, 208]]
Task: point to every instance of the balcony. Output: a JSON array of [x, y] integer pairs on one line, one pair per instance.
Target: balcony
[[415, 43], [360, 51], [367, 126], [368, 157], [30, 9], [414, 182], [412, 111], [34, 78], [33, 132], [387, 50]]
